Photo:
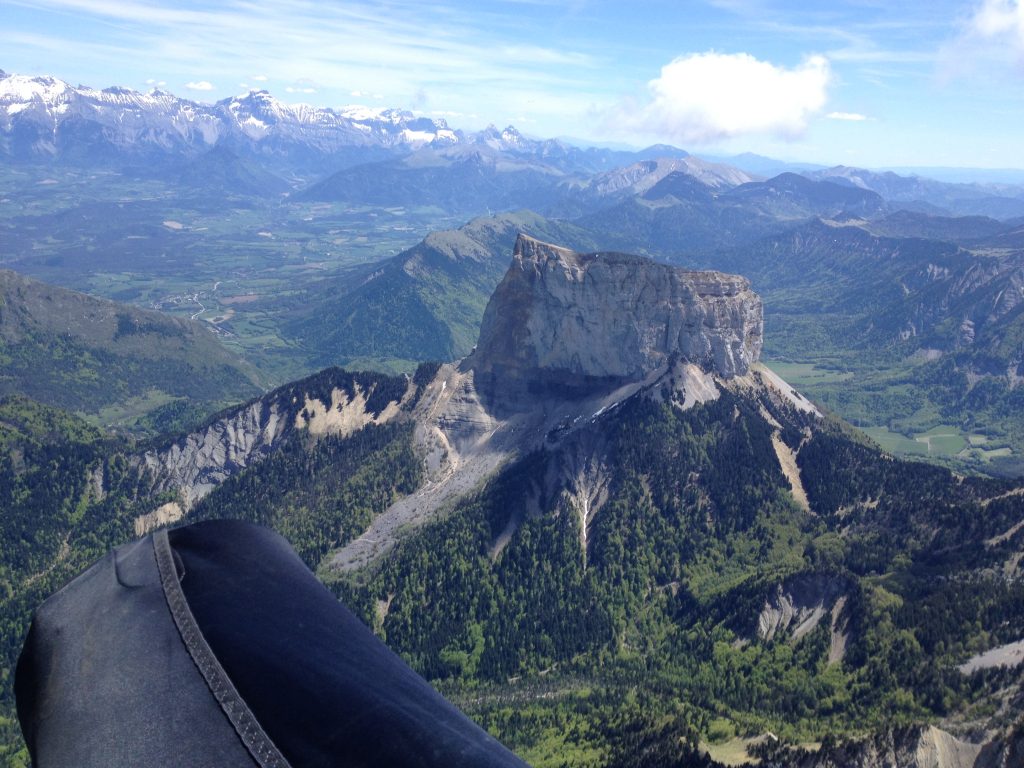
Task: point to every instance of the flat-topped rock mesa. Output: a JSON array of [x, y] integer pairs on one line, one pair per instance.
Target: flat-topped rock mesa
[[564, 323]]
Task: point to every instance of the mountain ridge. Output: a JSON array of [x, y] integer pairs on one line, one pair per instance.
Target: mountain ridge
[[48, 118], [87, 354]]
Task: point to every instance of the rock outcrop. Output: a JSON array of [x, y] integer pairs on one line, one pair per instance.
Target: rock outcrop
[[566, 339], [797, 606], [906, 747], [568, 324], [333, 402], [196, 464]]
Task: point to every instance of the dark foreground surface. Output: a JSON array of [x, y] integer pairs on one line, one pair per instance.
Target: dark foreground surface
[[214, 645]]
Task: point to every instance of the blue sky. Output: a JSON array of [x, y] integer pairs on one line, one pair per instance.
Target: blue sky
[[859, 82]]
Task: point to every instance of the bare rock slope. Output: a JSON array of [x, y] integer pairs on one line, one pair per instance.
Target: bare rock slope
[[333, 402]]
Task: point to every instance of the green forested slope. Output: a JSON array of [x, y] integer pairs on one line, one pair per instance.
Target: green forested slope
[[697, 533], [66, 496], [645, 643], [111, 362], [69, 492]]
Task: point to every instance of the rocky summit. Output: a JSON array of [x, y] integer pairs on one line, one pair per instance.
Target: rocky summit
[[566, 323]]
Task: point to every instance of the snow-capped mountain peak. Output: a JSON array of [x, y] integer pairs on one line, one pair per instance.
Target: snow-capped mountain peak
[[43, 112], [511, 136], [509, 139], [19, 89]]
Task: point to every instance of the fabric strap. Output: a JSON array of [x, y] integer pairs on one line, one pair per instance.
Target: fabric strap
[[255, 739]]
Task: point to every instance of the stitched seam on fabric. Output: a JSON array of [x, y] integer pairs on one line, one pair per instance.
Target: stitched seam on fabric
[[244, 721]]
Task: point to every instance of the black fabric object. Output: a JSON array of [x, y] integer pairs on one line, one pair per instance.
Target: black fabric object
[[213, 645]]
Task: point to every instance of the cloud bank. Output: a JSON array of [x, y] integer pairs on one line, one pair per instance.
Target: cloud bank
[[706, 97], [202, 85]]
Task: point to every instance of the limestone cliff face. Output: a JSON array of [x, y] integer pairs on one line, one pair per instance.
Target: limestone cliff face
[[332, 402], [565, 321], [202, 460]]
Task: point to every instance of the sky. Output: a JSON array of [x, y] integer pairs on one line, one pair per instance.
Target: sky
[[870, 83]]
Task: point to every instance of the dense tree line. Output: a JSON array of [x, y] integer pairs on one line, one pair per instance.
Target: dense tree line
[[698, 529]]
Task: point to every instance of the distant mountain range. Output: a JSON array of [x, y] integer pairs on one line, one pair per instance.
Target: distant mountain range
[[938, 294], [853, 263], [1001, 201], [44, 118], [392, 156]]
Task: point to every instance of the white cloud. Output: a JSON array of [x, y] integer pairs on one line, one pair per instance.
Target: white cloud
[[1002, 19], [291, 89], [356, 94], [260, 78], [706, 97], [992, 36], [154, 82], [202, 85], [853, 117]]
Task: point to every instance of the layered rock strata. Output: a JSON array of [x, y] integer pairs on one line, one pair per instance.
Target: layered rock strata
[[567, 324]]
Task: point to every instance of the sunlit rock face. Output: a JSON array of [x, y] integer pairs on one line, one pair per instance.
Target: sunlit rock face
[[563, 323]]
